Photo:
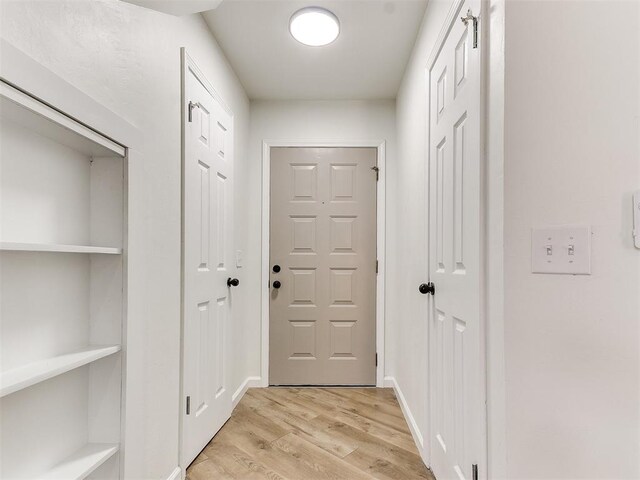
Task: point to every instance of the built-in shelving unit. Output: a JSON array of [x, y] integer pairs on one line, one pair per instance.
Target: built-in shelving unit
[[62, 257]]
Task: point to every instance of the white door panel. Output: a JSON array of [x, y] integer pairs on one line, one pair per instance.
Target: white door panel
[[207, 264], [456, 367]]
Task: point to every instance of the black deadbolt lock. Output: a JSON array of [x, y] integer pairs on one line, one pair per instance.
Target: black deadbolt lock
[[276, 268]]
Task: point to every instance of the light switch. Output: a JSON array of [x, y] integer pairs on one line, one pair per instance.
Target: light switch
[[561, 250], [239, 259]]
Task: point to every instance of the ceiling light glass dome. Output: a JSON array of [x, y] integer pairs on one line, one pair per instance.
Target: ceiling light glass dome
[[314, 26]]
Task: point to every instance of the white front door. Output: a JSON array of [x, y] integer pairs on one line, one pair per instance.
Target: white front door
[[456, 358], [207, 265]]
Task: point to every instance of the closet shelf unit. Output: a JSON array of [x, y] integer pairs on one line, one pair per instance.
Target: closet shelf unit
[[63, 192]]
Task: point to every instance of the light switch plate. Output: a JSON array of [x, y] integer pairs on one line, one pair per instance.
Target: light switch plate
[[561, 250], [239, 259]]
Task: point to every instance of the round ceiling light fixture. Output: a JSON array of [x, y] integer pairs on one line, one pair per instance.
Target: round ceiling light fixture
[[314, 26]]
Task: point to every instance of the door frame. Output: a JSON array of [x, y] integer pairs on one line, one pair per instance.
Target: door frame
[[187, 64], [380, 146]]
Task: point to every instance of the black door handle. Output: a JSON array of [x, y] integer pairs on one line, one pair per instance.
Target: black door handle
[[232, 282], [425, 288], [277, 284]]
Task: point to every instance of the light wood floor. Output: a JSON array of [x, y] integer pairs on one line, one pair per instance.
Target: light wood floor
[[313, 433]]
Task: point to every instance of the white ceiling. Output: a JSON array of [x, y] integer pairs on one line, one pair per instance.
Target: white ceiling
[[367, 60]]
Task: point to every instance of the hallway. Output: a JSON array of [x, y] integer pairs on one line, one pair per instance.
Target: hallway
[[313, 433], [421, 216]]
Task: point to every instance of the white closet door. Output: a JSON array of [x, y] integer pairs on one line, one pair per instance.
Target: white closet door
[[207, 257], [457, 397]]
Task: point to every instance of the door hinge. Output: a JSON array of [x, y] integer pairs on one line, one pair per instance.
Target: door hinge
[[474, 471], [376, 169], [376, 266], [188, 405], [191, 107], [471, 18], [376, 359]]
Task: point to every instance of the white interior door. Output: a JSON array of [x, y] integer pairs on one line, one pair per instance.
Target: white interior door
[[456, 364], [207, 266]]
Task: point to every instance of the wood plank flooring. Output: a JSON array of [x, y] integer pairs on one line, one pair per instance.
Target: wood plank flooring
[[313, 433]]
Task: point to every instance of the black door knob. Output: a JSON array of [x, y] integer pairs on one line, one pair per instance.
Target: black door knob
[[277, 284], [232, 282], [276, 268], [425, 288]]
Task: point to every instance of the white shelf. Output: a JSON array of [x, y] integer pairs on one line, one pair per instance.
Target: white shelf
[[16, 379], [82, 463], [50, 247]]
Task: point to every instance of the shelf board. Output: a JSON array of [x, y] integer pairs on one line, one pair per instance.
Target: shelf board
[[50, 247], [16, 379], [82, 463]]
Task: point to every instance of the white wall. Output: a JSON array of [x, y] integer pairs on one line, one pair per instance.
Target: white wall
[[572, 156], [128, 58], [407, 217], [304, 121]]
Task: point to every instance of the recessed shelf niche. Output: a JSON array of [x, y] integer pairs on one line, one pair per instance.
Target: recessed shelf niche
[[62, 267]]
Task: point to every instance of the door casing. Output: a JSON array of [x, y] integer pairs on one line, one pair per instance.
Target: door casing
[[380, 146]]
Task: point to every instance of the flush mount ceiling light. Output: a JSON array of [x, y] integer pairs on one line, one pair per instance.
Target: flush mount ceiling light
[[314, 26]]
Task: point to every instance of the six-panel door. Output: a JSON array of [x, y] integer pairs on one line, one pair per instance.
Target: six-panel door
[[208, 258], [456, 365]]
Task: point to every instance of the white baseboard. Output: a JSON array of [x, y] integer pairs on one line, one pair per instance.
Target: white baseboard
[[413, 426], [249, 382], [175, 475]]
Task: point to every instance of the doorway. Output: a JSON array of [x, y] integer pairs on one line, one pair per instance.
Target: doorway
[[322, 242]]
